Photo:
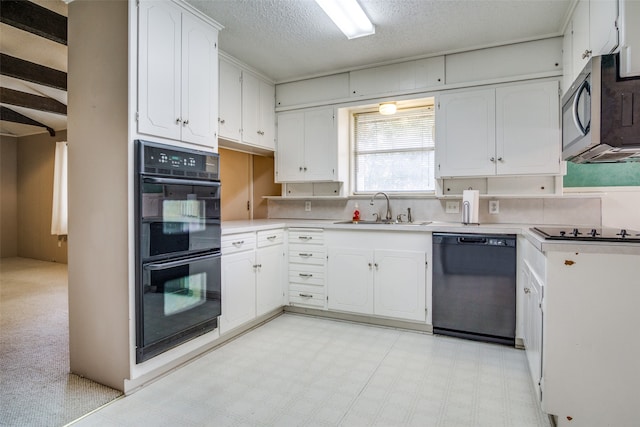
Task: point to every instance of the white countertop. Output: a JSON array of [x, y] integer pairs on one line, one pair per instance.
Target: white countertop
[[232, 227]]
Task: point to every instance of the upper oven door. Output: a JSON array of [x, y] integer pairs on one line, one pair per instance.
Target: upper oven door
[[178, 217]]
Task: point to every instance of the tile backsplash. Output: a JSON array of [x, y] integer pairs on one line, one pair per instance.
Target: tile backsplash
[[577, 210]]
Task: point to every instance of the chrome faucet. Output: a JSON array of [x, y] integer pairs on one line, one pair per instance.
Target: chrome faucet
[[388, 216]]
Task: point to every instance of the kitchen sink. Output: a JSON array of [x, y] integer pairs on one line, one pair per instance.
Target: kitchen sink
[[370, 222]]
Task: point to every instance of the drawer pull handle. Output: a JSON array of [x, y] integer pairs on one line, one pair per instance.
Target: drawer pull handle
[[271, 237], [306, 295], [305, 237], [257, 265], [238, 243], [305, 255], [527, 290], [305, 275]]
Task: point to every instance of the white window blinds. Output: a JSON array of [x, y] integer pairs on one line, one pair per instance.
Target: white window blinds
[[395, 153]]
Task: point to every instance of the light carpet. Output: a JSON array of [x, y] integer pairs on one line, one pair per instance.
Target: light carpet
[[36, 388]]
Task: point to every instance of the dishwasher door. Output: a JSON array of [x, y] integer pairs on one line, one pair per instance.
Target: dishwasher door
[[474, 286]]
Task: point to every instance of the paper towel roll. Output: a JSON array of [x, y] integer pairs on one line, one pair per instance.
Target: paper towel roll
[[470, 202]]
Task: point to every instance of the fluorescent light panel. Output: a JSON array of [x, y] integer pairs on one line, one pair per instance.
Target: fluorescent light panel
[[348, 16]]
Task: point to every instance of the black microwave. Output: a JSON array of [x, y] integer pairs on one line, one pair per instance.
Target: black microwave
[[601, 114]]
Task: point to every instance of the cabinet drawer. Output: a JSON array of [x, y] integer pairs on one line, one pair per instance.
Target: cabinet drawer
[[270, 238], [306, 298], [310, 236], [307, 277], [233, 243], [306, 254]]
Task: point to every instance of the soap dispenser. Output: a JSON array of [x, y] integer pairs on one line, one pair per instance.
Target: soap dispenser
[[356, 214]]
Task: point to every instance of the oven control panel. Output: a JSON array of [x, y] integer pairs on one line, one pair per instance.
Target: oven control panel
[[164, 160]]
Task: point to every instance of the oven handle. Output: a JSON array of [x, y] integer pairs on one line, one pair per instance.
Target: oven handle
[[170, 264], [154, 180]]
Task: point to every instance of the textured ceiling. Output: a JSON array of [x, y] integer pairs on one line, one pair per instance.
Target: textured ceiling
[[291, 39]]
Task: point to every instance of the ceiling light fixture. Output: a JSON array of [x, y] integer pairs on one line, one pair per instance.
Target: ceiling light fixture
[[348, 16], [387, 108]]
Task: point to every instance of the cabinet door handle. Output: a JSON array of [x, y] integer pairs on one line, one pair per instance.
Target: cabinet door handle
[[305, 255], [375, 265], [500, 159], [261, 133], [300, 168], [305, 275], [527, 290], [305, 237], [257, 265], [186, 122], [586, 54], [238, 243], [221, 121], [178, 121], [306, 295], [493, 159]]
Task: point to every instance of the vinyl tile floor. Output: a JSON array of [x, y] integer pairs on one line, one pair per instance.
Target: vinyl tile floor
[[303, 371]]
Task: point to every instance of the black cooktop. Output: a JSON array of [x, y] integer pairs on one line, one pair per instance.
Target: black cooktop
[[589, 234]]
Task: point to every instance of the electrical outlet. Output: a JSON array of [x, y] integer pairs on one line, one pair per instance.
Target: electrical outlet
[[494, 207], [452, 207], [307, 206]]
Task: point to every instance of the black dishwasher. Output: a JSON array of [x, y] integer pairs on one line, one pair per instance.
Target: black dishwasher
[[474, 286]]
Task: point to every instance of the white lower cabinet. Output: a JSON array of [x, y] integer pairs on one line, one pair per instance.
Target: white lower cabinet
[[350, 280], [532, 325], [269, 277], [364, 278], [252, 265], [307, 268]]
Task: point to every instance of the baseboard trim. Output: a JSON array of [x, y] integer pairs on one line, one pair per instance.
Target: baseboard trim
[[357, 318]]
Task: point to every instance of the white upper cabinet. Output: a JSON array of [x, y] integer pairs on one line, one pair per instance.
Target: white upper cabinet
[[593, 32], [465, 133], [509, 130], [629, 38], [247, 109], [398, 78], [230, 120], [308, 146], [258, 112], [178, 75], [528, 129]]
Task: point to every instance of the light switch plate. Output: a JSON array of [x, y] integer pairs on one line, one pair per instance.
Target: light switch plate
[[494, 207], [452, 206]]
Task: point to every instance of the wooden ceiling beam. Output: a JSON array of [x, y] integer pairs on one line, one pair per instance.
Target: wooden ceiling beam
[[31, 72], [33, 102], [8, 115], [35, 19]]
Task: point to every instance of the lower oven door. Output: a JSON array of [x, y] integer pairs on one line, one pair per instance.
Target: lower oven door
[[177, 300]]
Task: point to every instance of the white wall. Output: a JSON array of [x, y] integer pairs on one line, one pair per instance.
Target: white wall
[[621, 207], [583, 210], [99, 345]]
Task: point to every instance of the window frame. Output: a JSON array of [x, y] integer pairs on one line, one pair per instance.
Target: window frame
[[414, 104]]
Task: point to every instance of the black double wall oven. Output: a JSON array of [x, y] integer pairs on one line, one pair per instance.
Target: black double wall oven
[[177, 246]]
